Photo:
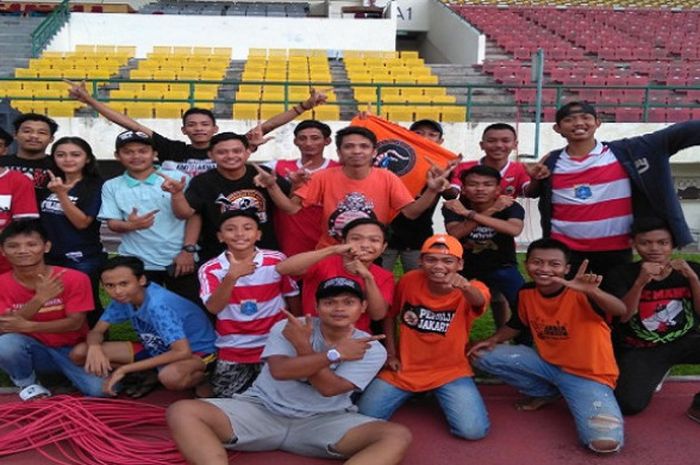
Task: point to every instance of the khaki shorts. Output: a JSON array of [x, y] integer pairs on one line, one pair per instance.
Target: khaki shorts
[[257, 429]]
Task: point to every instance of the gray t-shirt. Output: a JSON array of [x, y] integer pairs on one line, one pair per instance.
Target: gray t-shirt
[[298, 398]]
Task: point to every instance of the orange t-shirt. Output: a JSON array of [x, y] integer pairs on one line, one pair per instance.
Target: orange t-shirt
[[569, 333], [433, 334], [380, 195]]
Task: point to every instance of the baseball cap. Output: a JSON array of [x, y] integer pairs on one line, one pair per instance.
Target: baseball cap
[[431, 123], [132, 136], [573, 108], [442, 244], [338, 285]]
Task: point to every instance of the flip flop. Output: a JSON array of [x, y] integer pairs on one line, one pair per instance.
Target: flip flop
[[140, 384], [34, 392]]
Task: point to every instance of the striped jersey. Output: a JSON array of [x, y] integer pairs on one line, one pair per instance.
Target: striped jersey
[[591, 202], [254, 307]]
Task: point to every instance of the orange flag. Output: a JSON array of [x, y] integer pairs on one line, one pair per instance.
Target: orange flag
[[404, 153]]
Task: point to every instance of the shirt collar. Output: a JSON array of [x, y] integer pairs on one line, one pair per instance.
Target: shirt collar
[[151, 180], [599, 149], [224, 263]]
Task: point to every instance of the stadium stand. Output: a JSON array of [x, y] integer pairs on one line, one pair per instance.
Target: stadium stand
[[292, 10], [587, 4]]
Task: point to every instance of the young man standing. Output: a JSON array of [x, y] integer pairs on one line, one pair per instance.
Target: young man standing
[[33, 134], [659, 329], [300, 232], [301, 402], [42, 312], [176, 337], [136, 206], [435, 308], [596, 188], [356, 189], [486, 223], [573, 354]]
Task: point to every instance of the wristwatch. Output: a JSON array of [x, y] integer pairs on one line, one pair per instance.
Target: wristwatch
[[333, 356], [191, 248]]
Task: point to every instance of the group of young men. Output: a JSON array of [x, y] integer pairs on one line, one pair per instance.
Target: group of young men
[[313, 347]]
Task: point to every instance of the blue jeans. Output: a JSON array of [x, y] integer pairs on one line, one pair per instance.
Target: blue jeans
[[593, 404], [459, 400], [21, 357], [507, 280]]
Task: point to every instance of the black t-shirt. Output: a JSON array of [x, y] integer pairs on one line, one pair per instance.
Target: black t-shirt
[[67, 241], [486, 250], [211, 194], [178, 156], [407, 234], [665, 311], [36, 170]]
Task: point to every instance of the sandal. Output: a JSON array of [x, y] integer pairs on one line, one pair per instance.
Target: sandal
[[34, 392], [137, 385]]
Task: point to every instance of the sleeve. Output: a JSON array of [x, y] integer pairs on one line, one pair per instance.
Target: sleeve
[[521, 180], [399, 195], [451, 217], [109, 210], [115, 313], [481, 287], [516, 320], [5, 299], [289, 286], [90, 199], [168, 324], [397, 301], [23, 199], [454, 180], [673, 138], [168, 149], [208, 282], [77, 292], [278, 344], [194, 193], [312, 192], [515, 211], [361, 372], [385, 283]]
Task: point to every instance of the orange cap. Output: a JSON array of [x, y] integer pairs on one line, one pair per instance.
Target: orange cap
[[450, 243]]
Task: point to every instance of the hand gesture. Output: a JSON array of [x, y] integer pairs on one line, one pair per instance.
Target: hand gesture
[[184, 263], [346, 250], [437, 178], [58, 187], [582, 282], [649, 271], [456, 206], [170, 185], [683, 268], [239, 268], [316, 97], [393, 363], [96, 362], [48, 287], [356, 267], [137, 222], [298, 331], [354, 349], [13, 323], [256, 136], [78, 91], [458, 281], [264, 179], [537, 171], [486, 344], [300, 176], [503, 202], [109, 384]]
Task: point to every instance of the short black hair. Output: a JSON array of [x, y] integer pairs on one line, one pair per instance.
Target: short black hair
[[224, 136], [362, 221], [315, 124], [198, 111], [570, 108], [481, 170], [6, 136], [500, 127], [645, 224], [24, 117], [135, 264], [251, 213], [547, 243], [358, 130], [23, 228]]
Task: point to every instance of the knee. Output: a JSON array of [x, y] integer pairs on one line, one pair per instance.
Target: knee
[[632, 406], [182, 412], [173, 378], [472, 432], [399, 436], [78, 354], [606, 429], [11, 344]]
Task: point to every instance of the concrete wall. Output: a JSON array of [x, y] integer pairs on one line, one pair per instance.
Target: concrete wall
[[241, 33], [450, 39]]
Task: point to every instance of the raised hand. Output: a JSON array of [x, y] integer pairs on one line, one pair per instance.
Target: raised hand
[[171, 185], [356, 267], [264, 179], [582, 282], [456, 206], [298, 331], [316, 97], [239, 268], [650, 270], [256, 136], [78, 91], [537, 171], [438, 178], [48, 287], [138, 222], [683, 268], [503, 202], [354, 349], [58, 187], [458, 281], [300, 176]]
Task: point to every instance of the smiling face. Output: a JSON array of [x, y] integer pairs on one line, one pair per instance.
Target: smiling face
[[122, 285], [368, 241], [356, 151], [136, 157], [25, 250], [439, 268], [544, 264], [229, 155], [578, 126], [70, 158], [311, 142], [199, 128], [654, 246], [33, 137], [340, 311], [498, 144], [239, 233]]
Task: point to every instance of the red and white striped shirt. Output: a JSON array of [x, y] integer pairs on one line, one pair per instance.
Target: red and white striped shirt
[[514, 177], [255, 305], [591, 202]]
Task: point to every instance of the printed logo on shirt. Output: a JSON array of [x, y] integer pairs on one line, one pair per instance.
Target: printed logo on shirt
[[481, 238], [549, 330], [53, 205], [583, 191], [153, 343], [191, 167], [353, 206], [395, 155], [245, 199], [427, 321], [52, 305], [249, 307], [5, 203], [509, 190], [39, 176]]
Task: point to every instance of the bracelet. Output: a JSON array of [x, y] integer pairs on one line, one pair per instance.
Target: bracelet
[[301, 104], [297, 111], [471, 215]]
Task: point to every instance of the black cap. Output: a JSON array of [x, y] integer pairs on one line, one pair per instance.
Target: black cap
[[250, 212], [6, 136], [338, 285], [427, 122], [573, 108], [132, 136]]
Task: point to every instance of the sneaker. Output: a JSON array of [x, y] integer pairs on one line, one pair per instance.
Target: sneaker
[[694, 411]]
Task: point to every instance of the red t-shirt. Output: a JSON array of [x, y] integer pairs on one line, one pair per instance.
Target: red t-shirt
[[75, 298], [514, 177], [380, 195], [299, 232], [17, 201], [331, 267]]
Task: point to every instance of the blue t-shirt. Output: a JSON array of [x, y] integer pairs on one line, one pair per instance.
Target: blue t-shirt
[[67, 241], [164, 318]]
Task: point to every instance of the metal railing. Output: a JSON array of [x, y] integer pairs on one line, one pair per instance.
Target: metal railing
[[49, 27]]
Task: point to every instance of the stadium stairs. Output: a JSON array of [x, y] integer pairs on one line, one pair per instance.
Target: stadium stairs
[[16, 42]]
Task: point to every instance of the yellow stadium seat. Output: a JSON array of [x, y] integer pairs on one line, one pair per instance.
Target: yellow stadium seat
[[166, 112], [225, 52], [124, 93], [327, 112], [210, 76], [128, 50], [393, 98], [250, 88], [454, 114], [83, 48], [399, 113], [151, 94], [162, 49], [182, 50], [140, 110], [257, 52], [427, 112], [26, 73], [254, 96], [442, 98], [427, 80], [35, 86], [60, 109], [408, 54], [277, 52], [248, 111], [201, 51], [434, 91], [141, 74], [268, 110], [188, 75]]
